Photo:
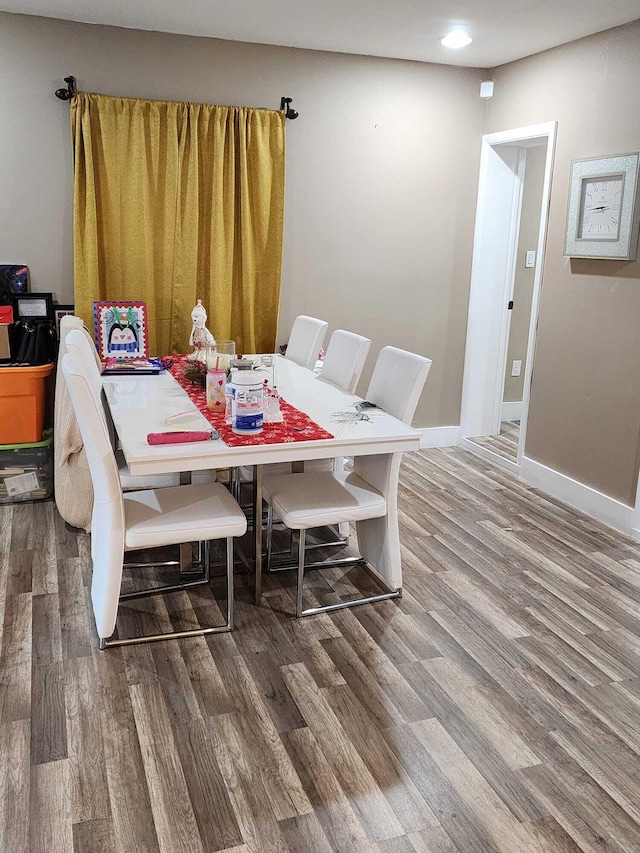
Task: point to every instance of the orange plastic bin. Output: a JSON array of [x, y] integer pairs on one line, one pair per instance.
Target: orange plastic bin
[[22, 403]]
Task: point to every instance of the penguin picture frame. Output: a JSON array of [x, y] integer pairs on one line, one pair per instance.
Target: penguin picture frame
[[120, 329]]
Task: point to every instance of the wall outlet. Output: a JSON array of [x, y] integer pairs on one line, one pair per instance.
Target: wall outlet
[[516, 367], [530, 258]]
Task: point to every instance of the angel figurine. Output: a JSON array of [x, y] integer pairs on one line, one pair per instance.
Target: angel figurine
[[201, 338]]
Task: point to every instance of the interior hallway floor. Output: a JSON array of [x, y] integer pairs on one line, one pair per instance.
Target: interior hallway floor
[[493, 708], [505, 444]]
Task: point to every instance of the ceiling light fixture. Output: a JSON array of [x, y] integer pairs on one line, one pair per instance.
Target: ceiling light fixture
[[456, 38]]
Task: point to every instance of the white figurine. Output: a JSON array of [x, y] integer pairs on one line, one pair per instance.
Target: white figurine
[[201, 338]]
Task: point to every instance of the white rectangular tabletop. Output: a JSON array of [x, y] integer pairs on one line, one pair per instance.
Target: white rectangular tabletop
[[141, 404]]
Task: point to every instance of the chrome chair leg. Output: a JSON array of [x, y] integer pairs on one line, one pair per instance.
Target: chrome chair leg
[[326, 608], [105, 643], [230, 593], [269, 536], [300, 586]]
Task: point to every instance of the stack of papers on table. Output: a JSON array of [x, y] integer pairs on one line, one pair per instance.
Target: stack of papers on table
[[130, 366]]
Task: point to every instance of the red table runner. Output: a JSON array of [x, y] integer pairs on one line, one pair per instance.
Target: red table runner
[[295, 426]]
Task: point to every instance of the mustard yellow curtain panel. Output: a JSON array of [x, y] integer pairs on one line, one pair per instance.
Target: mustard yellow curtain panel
[[175, 202]]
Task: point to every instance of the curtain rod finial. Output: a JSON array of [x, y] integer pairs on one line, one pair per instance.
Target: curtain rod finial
[[69, 92], [285, 104]]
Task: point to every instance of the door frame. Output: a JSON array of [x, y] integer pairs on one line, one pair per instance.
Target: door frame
[[492, 279]]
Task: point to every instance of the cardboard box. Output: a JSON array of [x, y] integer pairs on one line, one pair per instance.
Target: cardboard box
[[5, 354]]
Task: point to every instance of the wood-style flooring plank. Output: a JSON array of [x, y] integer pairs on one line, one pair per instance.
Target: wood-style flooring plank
[[133, 823], [170, 803], [15, 659], [50, 827], [15, 775], [93, 836], [335, 812], [89, 790], [351, 771]]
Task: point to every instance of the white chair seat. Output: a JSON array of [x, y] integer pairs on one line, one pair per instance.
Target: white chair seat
[[321, 498], [156, 481], [170, 516]]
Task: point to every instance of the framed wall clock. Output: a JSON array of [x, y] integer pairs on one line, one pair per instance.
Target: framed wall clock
[[604, 208]]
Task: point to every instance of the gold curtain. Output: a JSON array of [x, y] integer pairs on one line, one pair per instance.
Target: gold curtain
[[175, 202]]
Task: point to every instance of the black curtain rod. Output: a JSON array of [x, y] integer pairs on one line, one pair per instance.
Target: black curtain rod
[[70, 91]]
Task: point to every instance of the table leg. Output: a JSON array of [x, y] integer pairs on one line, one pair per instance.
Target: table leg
[[257, 527]]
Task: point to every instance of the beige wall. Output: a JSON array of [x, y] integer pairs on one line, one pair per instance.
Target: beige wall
[[523, 279], [382, 170], [584, 417]]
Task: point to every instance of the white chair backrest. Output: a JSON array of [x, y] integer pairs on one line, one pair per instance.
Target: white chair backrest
[[93, 428], [107, 521], [344, 359], [305, 340], [397, 382], [80, 344]]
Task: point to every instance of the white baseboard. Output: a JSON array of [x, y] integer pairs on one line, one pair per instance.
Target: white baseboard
[[576, 494], [511, 411], [446, 436]]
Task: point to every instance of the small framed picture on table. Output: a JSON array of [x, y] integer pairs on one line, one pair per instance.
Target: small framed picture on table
[[34, 306], [60, 311]]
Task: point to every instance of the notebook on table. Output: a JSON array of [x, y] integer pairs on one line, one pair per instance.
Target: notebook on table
[[123, 366]]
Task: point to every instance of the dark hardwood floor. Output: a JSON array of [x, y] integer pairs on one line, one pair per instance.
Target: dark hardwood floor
[[495, 707]]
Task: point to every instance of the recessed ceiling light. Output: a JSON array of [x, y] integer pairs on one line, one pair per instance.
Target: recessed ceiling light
[[456, 38]]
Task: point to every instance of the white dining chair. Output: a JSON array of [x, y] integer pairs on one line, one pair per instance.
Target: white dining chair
[[342, 366], [305, 340], [148, 518], [78, 341], [367, 495], [344, 360]]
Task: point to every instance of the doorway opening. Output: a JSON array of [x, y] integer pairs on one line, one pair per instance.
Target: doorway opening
[[509, 241]]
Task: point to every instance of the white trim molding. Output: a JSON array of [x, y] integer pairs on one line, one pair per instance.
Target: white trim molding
[[593, 503], [511, 411], [444, 436]]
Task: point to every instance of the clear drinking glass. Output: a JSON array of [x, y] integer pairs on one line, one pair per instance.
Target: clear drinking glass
[[222, 354], [226, 347]]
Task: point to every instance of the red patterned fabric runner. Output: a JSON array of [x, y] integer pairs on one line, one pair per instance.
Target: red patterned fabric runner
[[296, 426]]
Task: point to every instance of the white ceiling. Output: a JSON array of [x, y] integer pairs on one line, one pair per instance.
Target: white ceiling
[[502, 30]]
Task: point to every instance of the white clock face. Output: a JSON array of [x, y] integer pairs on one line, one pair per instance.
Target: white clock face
[[601, 201]]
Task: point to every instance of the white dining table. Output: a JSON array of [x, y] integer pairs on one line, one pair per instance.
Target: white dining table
[[141, 404]]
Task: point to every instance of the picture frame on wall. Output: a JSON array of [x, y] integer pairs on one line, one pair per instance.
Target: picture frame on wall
[[120, 329], [34, 306], [60, 311]]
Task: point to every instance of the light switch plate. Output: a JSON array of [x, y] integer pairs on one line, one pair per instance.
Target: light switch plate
[[530, 258]]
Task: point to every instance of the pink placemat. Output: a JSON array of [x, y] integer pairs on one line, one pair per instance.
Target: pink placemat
[[295, 426]]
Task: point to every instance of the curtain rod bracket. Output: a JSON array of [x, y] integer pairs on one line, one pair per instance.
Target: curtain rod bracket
[[69, 92], [288, 112]]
